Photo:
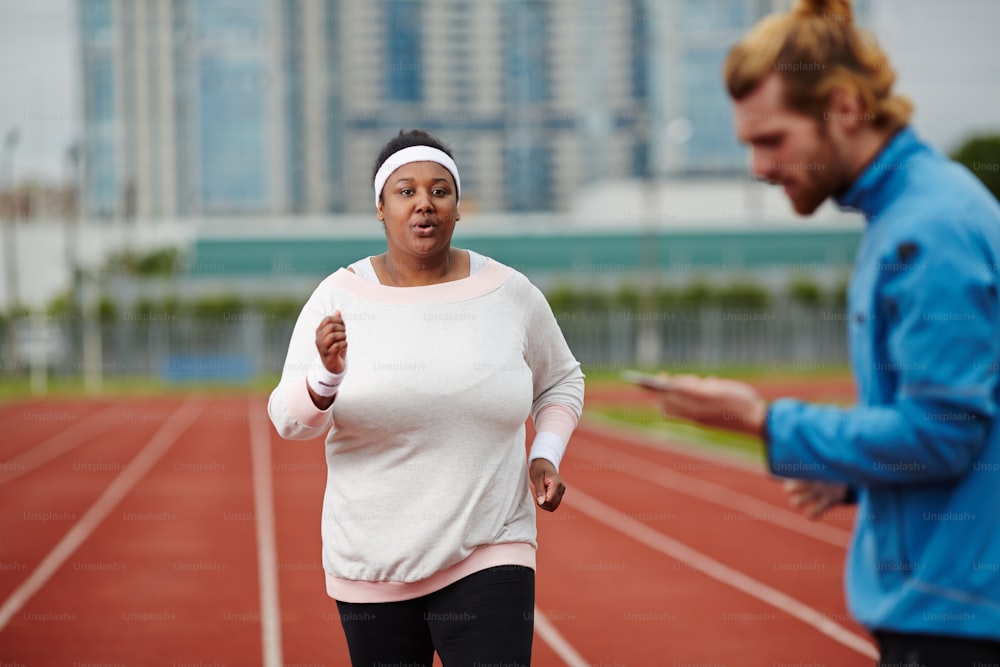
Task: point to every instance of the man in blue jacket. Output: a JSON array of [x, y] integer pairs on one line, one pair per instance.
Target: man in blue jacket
[[920, 452]]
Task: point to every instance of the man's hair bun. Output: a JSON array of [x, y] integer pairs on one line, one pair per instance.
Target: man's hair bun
[[832, 10]]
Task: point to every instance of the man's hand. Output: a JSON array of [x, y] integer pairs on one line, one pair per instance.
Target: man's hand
[[813, 497], [549, 487], [716, 402]]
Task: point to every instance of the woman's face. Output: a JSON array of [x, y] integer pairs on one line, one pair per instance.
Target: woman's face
[[419, 207]]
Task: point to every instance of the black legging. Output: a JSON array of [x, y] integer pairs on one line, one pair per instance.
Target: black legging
[[908, 650], [485, 618]]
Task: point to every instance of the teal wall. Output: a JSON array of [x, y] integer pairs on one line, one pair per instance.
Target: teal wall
[[796, 251]]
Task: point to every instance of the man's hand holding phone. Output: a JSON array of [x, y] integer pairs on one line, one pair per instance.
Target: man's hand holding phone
[[647, 380], [710, 401]]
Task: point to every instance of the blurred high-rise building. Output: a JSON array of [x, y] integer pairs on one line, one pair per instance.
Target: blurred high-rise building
[[204, 107], [692, 118]]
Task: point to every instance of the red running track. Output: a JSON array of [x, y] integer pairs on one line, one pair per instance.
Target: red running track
[[183, 531]]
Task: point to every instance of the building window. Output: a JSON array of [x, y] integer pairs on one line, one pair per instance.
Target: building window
[[715, 15], [295, 125], [639, 26], [95, 22], [230, 20], [403, 62], [713, 144], [528, 186], [233, 133], [526, 59]]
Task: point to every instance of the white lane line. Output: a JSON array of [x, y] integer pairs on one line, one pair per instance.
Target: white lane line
[[716, 494], [696, 560], [119, 487], [551, 636], [58, 444], [267, 554]]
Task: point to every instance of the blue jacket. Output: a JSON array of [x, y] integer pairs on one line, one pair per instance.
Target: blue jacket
[[921, 448]]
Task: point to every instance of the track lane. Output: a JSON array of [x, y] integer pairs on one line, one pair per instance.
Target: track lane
[[611, 468], [168, 578], [311, 632], [28, 422], [709, 465], [81, 429], [615, 601], [620, 602], [39, 507]]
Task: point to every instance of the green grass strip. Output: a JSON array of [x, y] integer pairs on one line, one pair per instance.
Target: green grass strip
[[18, 387], [650, 422]]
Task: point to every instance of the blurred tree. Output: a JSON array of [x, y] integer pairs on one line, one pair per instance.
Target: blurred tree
[[162, 262], [107, 309], [667, 299], [62, 306], [170, 305], [217, 307], [570, 298], [981, 154], [279, 308], [838, 295], [743, 296], [805, 291], [627, 298], [696, 295]]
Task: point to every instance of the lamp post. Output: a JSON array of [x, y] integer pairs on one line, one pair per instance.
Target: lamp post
[[87, 284], [10, 142], [648, 335], [71, 219]]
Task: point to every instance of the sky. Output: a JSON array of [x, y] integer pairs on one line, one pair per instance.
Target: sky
[[943, 51], [947, 62], [38, 84]]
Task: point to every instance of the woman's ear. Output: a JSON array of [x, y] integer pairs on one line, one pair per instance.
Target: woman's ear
[[378, 209]]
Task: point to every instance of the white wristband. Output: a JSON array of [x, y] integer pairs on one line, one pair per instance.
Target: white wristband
[[549, 446], [323, 382]]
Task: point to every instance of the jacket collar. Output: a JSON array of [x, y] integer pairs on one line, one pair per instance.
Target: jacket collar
[[872, 191]]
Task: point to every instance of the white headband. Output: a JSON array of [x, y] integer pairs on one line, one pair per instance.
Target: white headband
[[414, 154]]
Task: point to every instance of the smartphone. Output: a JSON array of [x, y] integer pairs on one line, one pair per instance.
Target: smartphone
[[647, 380]]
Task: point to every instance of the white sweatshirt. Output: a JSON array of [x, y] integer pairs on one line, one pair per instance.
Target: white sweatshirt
[[425, 443]]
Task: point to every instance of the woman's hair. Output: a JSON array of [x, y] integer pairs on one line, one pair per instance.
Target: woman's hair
[[816, 48], [405, 139]]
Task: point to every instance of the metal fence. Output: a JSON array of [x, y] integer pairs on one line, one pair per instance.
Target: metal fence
[[789, 337], [246, 345]]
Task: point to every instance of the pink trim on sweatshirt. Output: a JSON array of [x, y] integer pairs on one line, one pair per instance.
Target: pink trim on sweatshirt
[[491, 276], [558, 419], [491, 555], [301, 406]]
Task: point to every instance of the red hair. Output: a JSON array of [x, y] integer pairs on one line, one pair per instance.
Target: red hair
[[815, 48]]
